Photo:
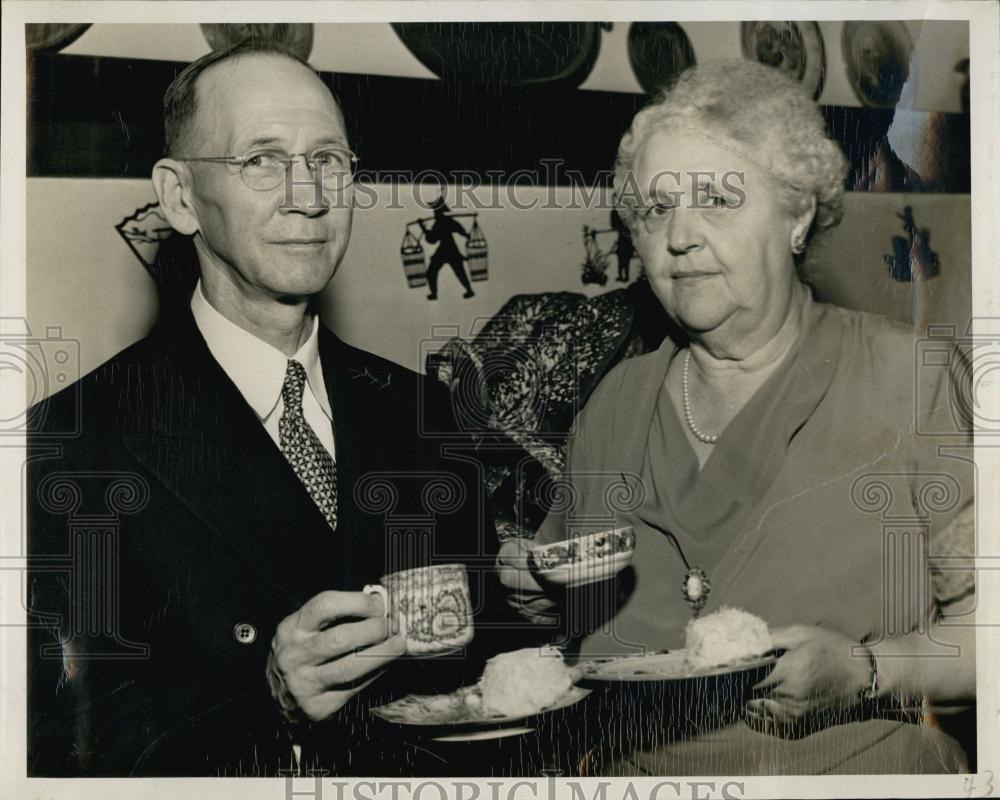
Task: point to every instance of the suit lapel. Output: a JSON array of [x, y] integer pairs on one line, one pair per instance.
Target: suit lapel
[[362, 420], [188, 424]]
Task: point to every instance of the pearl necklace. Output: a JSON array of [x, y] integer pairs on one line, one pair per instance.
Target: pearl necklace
[[698, 434]]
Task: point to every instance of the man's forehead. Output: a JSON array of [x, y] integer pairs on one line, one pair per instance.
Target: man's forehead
[[264, 90]]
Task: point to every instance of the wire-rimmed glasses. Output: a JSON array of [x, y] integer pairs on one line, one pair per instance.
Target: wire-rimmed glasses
[[266, 168]]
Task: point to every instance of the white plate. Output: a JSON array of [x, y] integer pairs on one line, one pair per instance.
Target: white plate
[[670, 666], [482, 736], [452, 710]]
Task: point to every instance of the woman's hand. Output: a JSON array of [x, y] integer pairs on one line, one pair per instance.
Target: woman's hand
[[526, 596], [513, 566], [816, 672]]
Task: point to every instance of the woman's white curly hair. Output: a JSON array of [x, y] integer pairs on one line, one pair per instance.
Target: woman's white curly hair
[[746, 103]]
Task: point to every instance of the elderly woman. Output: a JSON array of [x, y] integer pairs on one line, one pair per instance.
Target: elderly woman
[[765, 457]]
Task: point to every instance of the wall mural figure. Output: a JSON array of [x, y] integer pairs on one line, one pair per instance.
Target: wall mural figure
[[441, 229], [597, 260], [443, 232], [912, 257], [143, 230], [624, 249], [169, 257], [913, 261]]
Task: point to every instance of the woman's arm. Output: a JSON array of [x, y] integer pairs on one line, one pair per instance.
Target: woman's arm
[[823, 670], [940, 664]]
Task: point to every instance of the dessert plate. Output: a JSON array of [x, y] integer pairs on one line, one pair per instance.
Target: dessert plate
[[461, 708], [670, 666]]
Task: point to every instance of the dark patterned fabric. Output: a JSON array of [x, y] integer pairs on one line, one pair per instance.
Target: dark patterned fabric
[[305, 452], [521, 380]]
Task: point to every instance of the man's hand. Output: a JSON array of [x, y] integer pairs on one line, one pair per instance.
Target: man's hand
[[816, 672], [319, 660]]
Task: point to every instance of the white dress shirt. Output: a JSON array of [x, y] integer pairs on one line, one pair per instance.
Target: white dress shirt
[[258, 370]]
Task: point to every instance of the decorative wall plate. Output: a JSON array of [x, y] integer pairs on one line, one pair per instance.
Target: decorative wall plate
[[295, 37], [510, 53], [878, 60], [52, 36], [796, 48], [658, 52]]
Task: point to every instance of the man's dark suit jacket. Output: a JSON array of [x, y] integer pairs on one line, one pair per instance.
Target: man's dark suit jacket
[[169, 537]]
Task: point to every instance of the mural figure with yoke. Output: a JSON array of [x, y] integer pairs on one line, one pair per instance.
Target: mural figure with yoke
[[443, 232]]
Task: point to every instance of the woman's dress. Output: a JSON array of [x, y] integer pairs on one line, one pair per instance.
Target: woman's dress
[[819, 504]]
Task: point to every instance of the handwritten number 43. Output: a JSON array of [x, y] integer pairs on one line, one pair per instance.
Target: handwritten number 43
[[980, 785]]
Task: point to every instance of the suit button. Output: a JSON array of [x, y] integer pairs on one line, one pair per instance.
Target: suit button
[[244, 633]]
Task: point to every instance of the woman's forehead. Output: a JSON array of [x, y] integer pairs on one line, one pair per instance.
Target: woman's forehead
[[671, 161], [691, 152]]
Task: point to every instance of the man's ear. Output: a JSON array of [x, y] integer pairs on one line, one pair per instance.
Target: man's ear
[[171, 181]]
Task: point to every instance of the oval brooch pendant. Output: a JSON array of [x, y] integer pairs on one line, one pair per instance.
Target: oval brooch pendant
[[697, 587]]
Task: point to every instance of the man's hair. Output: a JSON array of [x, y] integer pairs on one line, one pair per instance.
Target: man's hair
[[180, 101]]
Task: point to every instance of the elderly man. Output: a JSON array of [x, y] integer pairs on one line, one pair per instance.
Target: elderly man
[[232, 636]]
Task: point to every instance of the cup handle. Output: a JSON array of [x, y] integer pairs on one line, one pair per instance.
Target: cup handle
[[374, 588]]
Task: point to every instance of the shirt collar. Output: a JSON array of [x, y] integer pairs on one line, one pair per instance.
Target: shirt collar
[[257, 368]]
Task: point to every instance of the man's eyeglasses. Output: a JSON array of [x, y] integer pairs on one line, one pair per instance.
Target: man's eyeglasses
[[265, 168]]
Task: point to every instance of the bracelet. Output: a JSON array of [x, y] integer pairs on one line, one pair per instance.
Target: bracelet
[[870, 692]]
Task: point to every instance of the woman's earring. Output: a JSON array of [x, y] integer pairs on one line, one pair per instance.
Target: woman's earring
[[798, 245]]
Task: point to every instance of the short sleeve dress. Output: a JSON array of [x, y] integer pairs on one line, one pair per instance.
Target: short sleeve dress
[[822, 503]]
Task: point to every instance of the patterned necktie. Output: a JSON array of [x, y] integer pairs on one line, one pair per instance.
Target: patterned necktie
[[305, 452]]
